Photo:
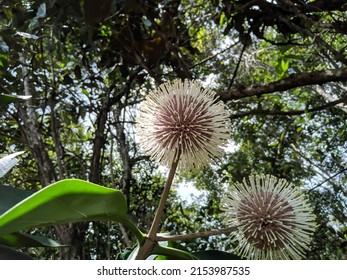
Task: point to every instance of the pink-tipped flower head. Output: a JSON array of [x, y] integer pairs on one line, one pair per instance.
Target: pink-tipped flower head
[[182, 118], [273, 220]]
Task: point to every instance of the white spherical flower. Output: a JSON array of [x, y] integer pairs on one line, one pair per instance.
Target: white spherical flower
[[182, 118], [273, 220]]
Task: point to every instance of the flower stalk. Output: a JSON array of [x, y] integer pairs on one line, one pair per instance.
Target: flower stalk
[[180, 125], [159, 213], [151, 238]]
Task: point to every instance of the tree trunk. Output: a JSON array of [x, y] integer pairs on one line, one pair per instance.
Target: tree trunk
[[30, 127]]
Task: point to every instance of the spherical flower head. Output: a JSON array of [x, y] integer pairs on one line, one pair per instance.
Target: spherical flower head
[[273, 220], [183, 120]]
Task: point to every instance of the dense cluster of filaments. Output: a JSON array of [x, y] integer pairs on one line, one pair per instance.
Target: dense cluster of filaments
[[182, 118], [273, 220]]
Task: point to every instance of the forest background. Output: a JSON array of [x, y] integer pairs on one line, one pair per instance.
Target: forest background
[[280, 67]]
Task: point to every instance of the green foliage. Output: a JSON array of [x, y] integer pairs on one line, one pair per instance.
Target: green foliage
[[11, 196], [7, 253], [27, 240], [63, 202], [66, 201], [88, 66], [74, 201], [6, 99]]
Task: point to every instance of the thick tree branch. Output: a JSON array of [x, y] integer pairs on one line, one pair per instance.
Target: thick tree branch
[[293, 81], [99, 140]]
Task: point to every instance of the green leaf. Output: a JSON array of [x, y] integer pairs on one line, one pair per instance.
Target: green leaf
[[27, 240], [133, 253], [170, 253], [7, 162], [6, 99], [125, 254], [281, 67], [215, 255], [3, 60], [7, 253], [85, 92], [284, 65], [161, 251], [66, 201], [11, 196]]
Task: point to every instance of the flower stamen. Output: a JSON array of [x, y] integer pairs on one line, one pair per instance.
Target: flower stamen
[[274, 220], [182, 116]]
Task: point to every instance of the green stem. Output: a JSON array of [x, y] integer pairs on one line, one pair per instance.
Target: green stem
[[156, 222], [150, 241], [140, 236]]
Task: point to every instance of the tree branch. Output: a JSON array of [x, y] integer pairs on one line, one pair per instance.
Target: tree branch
[[30, 127], [293, 81], [123, 150], [291, 112], [183, 237], [237, 66], [99, 140]]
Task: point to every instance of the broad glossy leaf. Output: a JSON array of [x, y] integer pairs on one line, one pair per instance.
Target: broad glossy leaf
[[27, 240], [11, 196], [66, 201], [170, 252], [7, 253]]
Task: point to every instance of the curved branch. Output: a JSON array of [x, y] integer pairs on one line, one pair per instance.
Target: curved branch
[[293, 81], [291, 112], [204, 234]]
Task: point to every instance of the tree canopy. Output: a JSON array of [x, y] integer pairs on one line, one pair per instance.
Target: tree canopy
[[279, 66]]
